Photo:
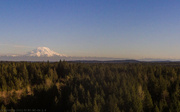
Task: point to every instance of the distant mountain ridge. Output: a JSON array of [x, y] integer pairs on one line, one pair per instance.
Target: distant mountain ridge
[[45, 54]]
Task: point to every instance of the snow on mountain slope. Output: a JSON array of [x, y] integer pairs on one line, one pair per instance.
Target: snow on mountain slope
[[43, 52]]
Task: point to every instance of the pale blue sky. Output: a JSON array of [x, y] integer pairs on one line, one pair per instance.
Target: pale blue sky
[[102, 28]]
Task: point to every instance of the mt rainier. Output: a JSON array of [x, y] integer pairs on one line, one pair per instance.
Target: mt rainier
[[43, 52], [38, 54]]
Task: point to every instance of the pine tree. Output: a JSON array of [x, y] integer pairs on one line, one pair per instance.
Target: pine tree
[[3, 108], [148, 103], [156, 109], [95, 107]]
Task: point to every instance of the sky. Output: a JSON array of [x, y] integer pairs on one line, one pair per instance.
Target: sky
[[103, 28]]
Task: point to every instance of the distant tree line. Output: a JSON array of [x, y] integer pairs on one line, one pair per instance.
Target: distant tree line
[[90, 87]]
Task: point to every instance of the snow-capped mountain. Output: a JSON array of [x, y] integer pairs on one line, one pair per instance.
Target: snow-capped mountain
[[43, 52]]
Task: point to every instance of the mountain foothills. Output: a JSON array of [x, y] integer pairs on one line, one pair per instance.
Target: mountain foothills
[[90, 87]]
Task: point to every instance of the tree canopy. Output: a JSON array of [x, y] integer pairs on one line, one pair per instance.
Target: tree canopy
[[90, 87]]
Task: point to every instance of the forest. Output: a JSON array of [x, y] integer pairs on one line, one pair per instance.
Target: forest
[[89, 87]]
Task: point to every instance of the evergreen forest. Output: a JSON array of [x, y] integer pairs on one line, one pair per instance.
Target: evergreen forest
[[90, 87]]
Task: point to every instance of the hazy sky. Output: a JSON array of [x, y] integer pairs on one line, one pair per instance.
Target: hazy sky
[[107, 28]]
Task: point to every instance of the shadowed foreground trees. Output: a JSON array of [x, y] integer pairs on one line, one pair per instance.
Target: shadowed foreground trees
[[87, 87]]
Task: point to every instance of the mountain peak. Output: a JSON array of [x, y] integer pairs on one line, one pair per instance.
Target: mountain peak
[[43, 48], [43, 52]]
